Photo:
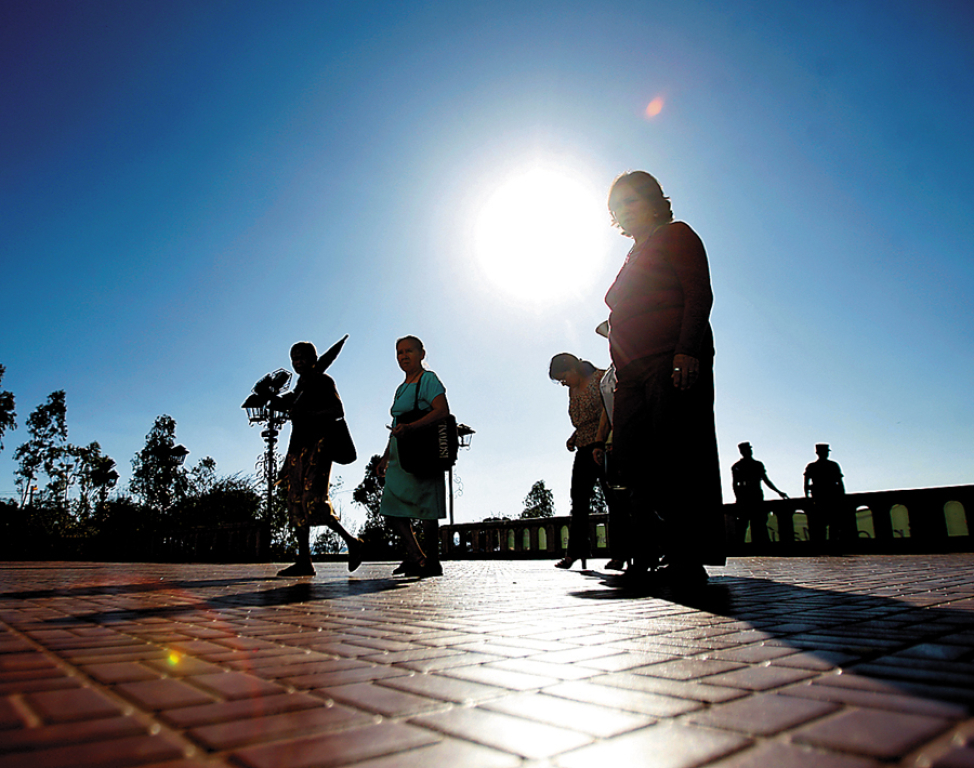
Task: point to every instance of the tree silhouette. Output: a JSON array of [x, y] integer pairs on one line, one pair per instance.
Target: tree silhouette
[[8, 416], [540, 502], [46, 450], [96, 476], [158, 476]]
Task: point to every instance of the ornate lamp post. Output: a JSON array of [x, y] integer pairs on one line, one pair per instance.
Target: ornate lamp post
[[260, 408], [464, 438]]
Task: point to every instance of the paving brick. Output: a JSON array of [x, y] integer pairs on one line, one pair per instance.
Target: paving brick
[[179, 664], [71, 704], [241, 709], [593, 719], [339, 748], [448, 753], [384, 700], [960, 757], [492, 675], [670, 746], [874, 733], [761, 678], [683, 689], [688, 669], [449, 659], [116, 753], [762, 714], [24, 662], [445, 688], [155, 695], [652, 704], [776, 755], [235, 685], [884, 698], [33, 739], [238, 733], [120, 672], [39, 684], [529, 739]]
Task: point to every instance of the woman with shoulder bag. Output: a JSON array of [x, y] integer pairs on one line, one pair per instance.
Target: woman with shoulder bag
[[420, 400]]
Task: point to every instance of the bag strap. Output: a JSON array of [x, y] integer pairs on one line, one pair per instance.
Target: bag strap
[[418, 382]]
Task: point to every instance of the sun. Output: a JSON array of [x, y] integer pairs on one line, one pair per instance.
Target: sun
[[542, 236]]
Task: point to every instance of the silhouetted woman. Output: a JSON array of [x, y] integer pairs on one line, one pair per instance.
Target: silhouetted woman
[[421, 398], [585, 410], [662, 346], [313, 407]]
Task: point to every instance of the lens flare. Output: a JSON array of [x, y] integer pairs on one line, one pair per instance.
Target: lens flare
[[654, 107]]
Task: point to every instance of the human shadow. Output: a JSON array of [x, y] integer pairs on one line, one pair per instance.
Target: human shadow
[[133, 588], [274, 596], [921, 650]]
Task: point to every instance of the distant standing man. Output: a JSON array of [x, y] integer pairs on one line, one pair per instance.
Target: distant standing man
[[748, 474], [823, 485]]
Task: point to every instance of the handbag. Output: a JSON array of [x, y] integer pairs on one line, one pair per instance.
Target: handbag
[[430, 449], [340, 443]]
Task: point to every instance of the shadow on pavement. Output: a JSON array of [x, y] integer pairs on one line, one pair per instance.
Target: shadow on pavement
[[924, 651]]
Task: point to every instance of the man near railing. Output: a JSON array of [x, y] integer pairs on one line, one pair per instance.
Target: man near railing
[[824, 486], [748, 474]]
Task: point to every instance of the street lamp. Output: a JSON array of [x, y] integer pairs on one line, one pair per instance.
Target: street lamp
[[262, 408], [464, 438]]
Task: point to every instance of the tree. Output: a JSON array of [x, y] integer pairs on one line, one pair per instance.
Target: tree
[[377, 536], [540, 502], [158, 476], [232, 499], [599, 504], [46, 450], [8, 416], [96, 476], [327, 543], [202, 477]]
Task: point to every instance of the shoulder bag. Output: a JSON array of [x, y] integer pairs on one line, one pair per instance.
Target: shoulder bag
[[430, 449]]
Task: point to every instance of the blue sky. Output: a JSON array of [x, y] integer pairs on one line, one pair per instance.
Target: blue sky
[[187, 188]]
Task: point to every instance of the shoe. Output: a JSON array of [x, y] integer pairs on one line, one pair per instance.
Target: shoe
[[616, 564], [298, 569], [355, 554], [640, 577], [567, 562], [684, 575], [432, 568], [401, 568], [415, 568]]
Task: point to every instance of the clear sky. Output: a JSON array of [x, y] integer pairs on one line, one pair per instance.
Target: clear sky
[[186, 188]]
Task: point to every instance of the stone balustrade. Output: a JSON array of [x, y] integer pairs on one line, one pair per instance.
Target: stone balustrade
[[909, 520]]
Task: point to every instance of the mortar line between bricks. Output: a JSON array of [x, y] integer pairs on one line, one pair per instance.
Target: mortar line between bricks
[[152, 725]]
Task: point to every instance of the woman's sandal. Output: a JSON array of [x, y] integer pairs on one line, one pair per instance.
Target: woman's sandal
[[415, 567]]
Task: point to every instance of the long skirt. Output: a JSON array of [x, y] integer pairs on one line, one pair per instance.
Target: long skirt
[[666, 444], [308, 473], [406, 495]]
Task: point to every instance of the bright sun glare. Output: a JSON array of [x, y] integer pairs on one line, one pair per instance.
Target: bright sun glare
[[542, 236]]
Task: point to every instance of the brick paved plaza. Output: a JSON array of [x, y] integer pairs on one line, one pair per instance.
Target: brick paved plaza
[[826, 662]]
